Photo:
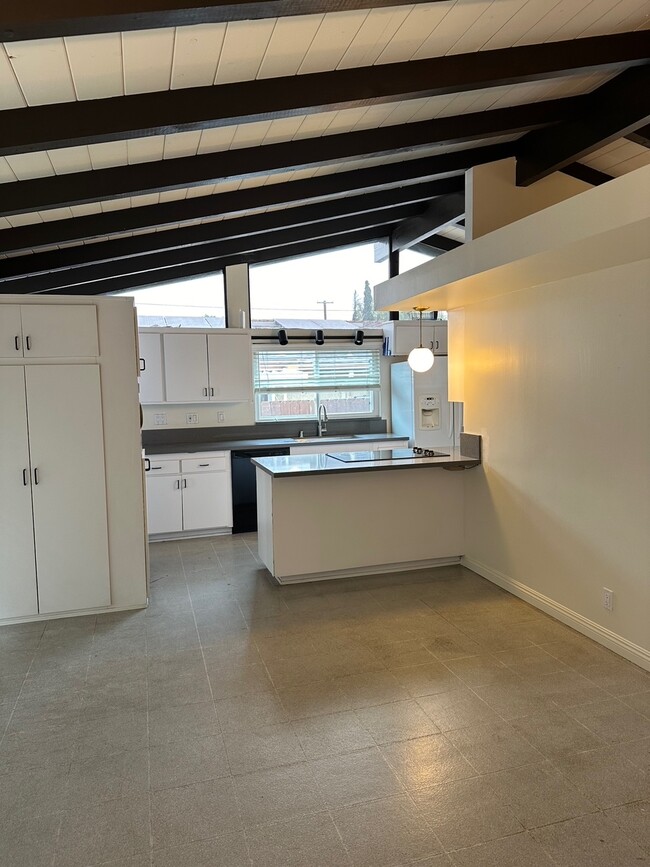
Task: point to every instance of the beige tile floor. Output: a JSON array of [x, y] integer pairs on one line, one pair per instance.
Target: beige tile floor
[[421, 718]]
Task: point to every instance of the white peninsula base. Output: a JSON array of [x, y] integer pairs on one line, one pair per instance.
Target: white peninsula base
[[312, 527]]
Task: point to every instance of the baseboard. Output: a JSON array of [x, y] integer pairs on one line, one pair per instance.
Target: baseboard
[[634, 652], [36, 618], [382, 569], [190, 534]]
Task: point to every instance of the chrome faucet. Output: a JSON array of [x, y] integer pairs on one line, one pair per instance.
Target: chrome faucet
[[322, 419]]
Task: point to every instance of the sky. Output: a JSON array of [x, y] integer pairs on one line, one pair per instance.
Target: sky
[[290, 289]]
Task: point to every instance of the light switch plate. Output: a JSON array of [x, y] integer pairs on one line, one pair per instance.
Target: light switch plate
[[160, 418], [192, 418], [221, 417]]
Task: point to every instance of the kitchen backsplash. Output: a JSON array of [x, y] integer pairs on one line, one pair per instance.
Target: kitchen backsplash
[[168, 434]]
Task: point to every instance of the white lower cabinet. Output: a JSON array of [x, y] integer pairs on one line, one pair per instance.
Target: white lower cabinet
[[53, 514], [196, 499]]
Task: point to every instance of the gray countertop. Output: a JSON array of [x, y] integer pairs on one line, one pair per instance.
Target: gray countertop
[[285, 466], [278, 442]]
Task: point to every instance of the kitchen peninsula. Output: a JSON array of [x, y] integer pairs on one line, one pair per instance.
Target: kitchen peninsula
[[321, 516]]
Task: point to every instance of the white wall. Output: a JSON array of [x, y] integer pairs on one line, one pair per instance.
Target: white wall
[[493, 200], [556, 382]]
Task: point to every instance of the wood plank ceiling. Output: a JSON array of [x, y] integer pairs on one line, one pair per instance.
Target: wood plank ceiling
[[147, 141]]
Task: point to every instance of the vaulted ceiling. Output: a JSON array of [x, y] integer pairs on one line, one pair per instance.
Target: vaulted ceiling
[[145, 141]]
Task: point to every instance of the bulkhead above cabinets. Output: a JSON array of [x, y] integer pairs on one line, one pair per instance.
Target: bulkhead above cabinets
[[401, 336], [192, 366]]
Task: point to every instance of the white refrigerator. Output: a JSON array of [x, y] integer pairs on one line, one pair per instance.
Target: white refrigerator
[[419, 406]]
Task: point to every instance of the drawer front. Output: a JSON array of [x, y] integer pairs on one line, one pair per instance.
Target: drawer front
[[215, 463], [161, 468]]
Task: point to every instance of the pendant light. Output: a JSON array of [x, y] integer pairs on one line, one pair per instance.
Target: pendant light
[[421, 359]]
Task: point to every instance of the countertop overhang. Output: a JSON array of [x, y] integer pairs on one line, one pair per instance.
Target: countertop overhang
[[285, 466]]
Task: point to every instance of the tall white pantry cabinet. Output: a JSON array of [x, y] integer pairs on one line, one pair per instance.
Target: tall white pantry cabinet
[[72, 532]]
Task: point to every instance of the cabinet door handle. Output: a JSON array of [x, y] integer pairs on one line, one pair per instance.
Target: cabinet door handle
[[177, 485], [28, 342], [25, 478], [205, 392], [143, 365], [204, 465], [437, 344], [211, 392], [35, 475], [17, 343], [154, 468], [184, 483], [147, 465], [431, 345]]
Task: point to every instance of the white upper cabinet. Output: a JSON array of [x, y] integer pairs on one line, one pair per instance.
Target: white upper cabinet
[[401, 337], [151, 368], [205, 367], [59, 331], [186, 368], [230, 363]]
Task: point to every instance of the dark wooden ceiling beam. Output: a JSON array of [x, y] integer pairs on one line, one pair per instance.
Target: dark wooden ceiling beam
[[407, 173], [207, 252], [436, 244], [442, 212], [640, 136], [209, 266], [20, 20], [585, 173], [165, 112], [104, 184], [612, 111], [208, 233]]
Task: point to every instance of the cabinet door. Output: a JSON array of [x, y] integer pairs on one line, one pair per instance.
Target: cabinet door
[[186, 368], [407, 337], [207, 501], [68, 486], [11, 339], [151, 374], [231, 371], [18, 581], [440, 345], [164, 504], [59, 331]]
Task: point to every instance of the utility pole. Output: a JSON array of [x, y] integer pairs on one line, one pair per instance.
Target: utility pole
[[324, 303]]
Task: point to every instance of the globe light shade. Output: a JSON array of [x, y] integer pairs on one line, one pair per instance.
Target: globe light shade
[[420, 359]]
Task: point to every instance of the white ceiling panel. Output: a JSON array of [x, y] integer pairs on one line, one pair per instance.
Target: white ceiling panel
[[147, 59], [55, 214], [66, 160], [378, 28], [282, 129], [452, 28], [418, 25], [615, 17], [16, 220], [182, 144], [11, 96], [96, 65], [289, 42], [493, 17], [196, 55], [7, 174], [332, 40], [86, 210], [144, 150], [43, 71], [27, 166], [243, 50], [108, 154], [250, 134]]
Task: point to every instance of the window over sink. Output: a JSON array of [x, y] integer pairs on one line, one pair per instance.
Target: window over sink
[[291, 384]]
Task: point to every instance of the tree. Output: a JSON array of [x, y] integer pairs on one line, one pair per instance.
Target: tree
[[368, 310], [357, 309]]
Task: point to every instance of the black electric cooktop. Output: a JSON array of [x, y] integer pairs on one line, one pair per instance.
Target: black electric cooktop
[[382, 455]]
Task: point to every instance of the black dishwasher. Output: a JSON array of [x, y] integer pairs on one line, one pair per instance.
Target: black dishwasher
[[244, 489]]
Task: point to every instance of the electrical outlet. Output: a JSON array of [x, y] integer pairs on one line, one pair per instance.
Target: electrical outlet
[[160, 418], [608, 599], [192, 418], [221, 416]]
